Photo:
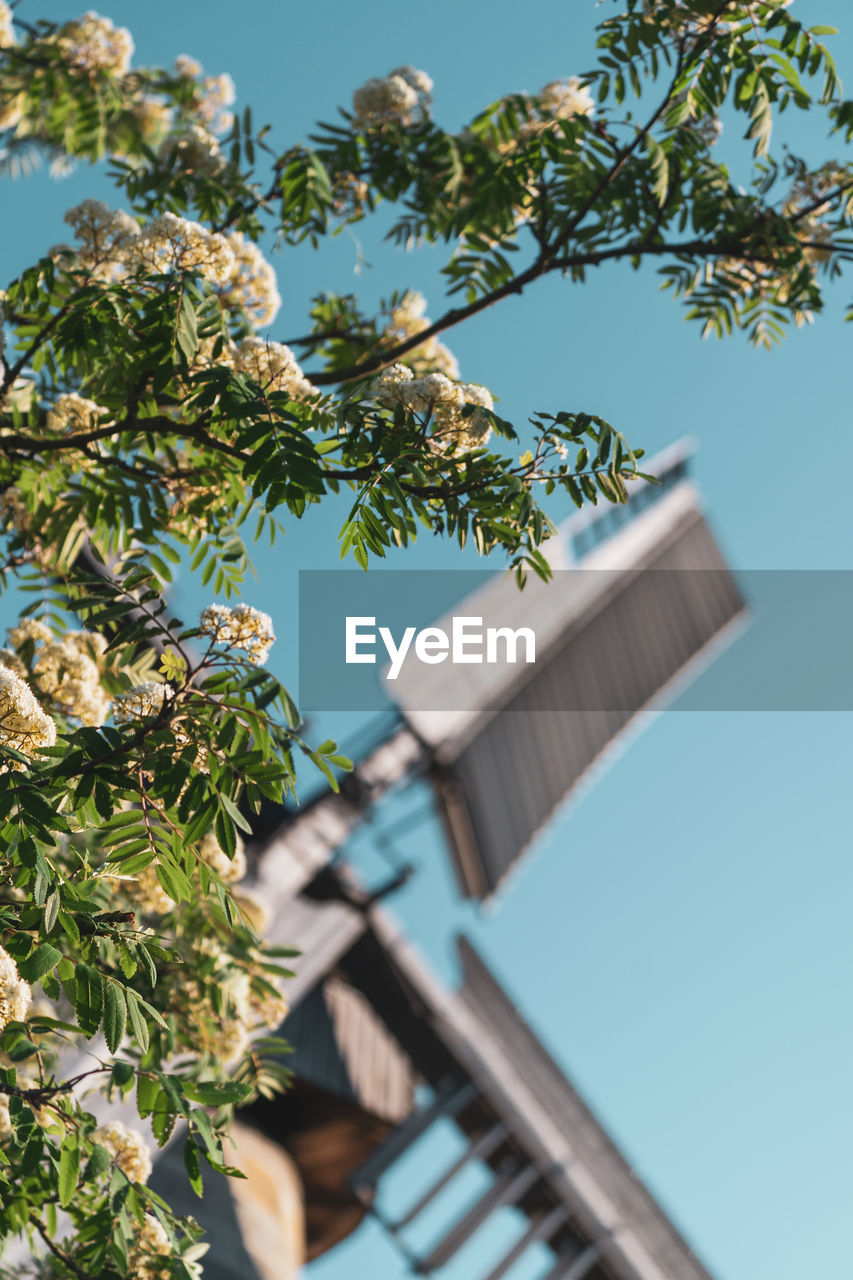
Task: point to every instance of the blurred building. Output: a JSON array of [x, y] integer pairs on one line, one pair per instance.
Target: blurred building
[[383, 1053]]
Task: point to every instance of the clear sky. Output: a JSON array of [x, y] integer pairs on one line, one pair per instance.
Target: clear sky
[[681, 937]]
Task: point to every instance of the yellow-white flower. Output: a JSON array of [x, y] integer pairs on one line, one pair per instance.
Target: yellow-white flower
[[15, 994], [128, 1149], [92, 43], [273, 366], [140, 702], [402, 97], [241, 627], [24, 726], [7, 33]]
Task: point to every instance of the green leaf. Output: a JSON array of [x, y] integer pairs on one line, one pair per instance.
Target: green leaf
[[98, 1163], [89, 999], [147, 1088], [115, 1015], [123, 1074], [234, 814], [69, 1170], [193, 1166], [137, 1021], [217, 1095], [39, 962]]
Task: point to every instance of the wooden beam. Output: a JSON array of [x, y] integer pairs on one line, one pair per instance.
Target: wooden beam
[[578, 1266], [539, 1229], [506, 1189], [479, 1150], [446, 1103]]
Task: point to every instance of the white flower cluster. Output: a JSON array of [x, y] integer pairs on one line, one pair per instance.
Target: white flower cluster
[[215, 93], [239, 628], [193, 150], [7, 33], [564, 99], [436, 398], [13, 511], [146, 893], [824, 184], [11, 108], [254, 909], [273, 366], [15, 994], [403, 97], [171, 243], [140, 702], [185, 65], [23, 1080], [150, 1246], [230, 870], [110, 243], [24, 726], [247, 1008], [432, 356], [92, 43], [11, 660], [105, 236], [73, 413], [271, 1009], [127, 1148], [69, 672], [251, 285], [153, 118]]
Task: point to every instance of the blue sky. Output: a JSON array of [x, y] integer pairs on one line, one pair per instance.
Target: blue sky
[[680, 938]]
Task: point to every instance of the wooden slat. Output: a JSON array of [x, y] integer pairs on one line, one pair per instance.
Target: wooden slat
[[539, 1229], [575, 1268], [445, 1104], [506, 1189], [479, 1150]]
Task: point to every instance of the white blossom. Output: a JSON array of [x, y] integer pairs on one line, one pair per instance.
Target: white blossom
[[72, 412], [407, 319], [273, 366], [7, 33], [193, 150], [150, 1246], [104, 238], [251, 286], [92, 43], [240, 627], [563, 99], [15, 994], [24, 726], [140, 702], [171, 243], [402, 97], [128, 1149], [68, 669], [437, 399]]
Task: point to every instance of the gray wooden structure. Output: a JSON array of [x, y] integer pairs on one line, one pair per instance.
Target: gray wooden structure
[[648, 603], [520, 1117]]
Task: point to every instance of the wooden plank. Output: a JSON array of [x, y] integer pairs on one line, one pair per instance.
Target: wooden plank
[[506, 1189], [576, 1267], [539, 1229], [479, 1150], [444, 1104]]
